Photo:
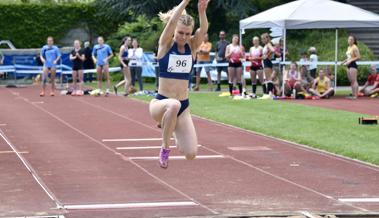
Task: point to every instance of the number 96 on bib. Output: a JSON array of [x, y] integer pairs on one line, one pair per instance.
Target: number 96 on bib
[[179, 64]]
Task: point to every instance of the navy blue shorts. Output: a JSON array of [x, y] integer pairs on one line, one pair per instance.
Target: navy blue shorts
[[183, 104]]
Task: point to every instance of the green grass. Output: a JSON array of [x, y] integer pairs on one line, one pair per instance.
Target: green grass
[[330, 130]]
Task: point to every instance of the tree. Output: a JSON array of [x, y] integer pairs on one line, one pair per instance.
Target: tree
[[151, 8]]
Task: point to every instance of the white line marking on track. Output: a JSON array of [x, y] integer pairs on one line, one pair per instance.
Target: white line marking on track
[[292, 144], [134, 140], [130, 205], [359, 200], [247, 148], [302, 147], [284, 179], [3, 124], [121, 155], [180, 157], [144, 147], [50, 216], [12, 152], [232, 158], [32, 171]]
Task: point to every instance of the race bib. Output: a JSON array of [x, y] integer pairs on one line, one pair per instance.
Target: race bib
[[179, 63]]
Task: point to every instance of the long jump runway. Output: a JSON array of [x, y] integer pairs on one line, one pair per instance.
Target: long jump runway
[[96, 157]]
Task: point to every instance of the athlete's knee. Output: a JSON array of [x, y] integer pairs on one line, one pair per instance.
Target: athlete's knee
[[189, 151], [174, 106], [190, 156]]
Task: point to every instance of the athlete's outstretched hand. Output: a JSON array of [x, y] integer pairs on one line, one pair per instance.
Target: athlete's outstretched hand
[[202, 5]]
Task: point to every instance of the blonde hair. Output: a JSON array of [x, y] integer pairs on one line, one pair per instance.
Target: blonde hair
[[185, 19]]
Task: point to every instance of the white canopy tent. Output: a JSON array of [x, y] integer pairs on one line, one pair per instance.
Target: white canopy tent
[[312, 14]]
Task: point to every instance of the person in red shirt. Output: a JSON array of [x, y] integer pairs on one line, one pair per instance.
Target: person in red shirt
[[371, 87]]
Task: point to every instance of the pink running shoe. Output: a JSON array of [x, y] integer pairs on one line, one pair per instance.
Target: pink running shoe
[[163, 157]]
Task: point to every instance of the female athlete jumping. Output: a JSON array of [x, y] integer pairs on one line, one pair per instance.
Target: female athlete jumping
[[176, 52]]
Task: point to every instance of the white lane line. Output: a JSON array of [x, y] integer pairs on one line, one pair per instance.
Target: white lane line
[[247, 148], [12, 152], [180, 157], [121, 155], [32, 171], [302, 147], [292, 144], [359, 200], [134, 140], [3, 124], [129, 205], [50, 216], [144, 147]]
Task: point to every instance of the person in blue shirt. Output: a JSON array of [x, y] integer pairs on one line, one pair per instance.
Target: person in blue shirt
[[50, 55], [176, 53], [101, 54]]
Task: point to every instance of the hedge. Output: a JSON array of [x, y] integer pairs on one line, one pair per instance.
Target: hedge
[[28, 25]]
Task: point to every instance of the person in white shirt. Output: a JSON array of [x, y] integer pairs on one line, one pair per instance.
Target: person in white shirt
[[313, 58], [135, 63], [2, 74]]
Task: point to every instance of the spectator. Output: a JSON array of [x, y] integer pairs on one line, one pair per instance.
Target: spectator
[[88, 61], [77, 57], [352, 68], [220, 57], [1, 58], [321, 86], [156, 68], [371, 87], [38, 60], [193, 74], [276, 57], [279, 56], [101, 54], [124, 64], [235, 54], [2, 74], [306, 79], [303, 57], [203, 57], [50, 55], [292, 79], [135, 63], [268, 51], [313, 58], [256, 68], [330, 75], [39, 63]]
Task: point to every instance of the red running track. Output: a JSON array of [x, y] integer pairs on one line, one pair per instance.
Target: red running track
[[63, 140]]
